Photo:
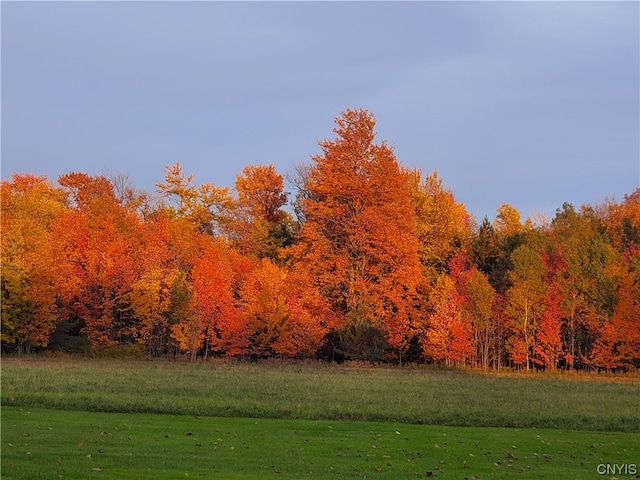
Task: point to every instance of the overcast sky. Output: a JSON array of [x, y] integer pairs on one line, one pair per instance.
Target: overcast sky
[[531, 104]]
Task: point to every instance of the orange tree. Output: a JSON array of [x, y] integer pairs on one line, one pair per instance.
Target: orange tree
[[358, 242], [99, 240], [261, 227]]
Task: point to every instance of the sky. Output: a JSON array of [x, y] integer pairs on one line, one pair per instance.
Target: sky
[[532, 104]]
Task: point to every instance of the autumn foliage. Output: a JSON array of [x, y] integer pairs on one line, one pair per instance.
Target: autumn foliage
[[379, 262]]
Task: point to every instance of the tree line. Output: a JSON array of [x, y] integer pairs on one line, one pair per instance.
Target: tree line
[[369, 260]]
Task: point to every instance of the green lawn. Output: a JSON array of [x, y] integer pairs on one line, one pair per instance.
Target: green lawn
[[45, 444], [125, 419]]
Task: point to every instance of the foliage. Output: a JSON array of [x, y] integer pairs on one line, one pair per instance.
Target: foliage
[[443, 224], [261, 227], [358, 242], [381, 263], [30, 207], [525, 297]]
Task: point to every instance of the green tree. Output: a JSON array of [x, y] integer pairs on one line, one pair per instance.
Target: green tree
[[525, 295], [587, 280], [480, 296]]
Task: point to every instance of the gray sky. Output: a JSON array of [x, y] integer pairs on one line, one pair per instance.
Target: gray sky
[[531, 104]]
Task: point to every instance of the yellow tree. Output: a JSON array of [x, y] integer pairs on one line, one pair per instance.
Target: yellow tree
[[264, 302], [30, 265], [187, 328], [150, 300], [151, 291], [525, 301], [207, 206], [507, 221], [443, 224], [479, 299]]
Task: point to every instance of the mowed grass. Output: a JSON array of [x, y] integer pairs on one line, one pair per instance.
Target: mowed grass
[[324, 392], [48, 444], [98, 418]]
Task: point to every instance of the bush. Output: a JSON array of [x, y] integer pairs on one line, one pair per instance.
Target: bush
[[68, 339], [362, 341]]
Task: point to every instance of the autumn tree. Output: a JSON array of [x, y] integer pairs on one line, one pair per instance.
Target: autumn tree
[[478, 303], [381, 262], [129, 196], [587, 279], [442, 224], [30, 265], [216, 286], [207, 206], [447, 337], [201, 290], [622, 224], [618, 342], [187, 328], [265, 305], [99, 240], [262, 227], [507, 221], [491, 253], [358, 242], [310, 317], [547, 349], [261, 192], [151, 291], [284, 316], [525, 296]]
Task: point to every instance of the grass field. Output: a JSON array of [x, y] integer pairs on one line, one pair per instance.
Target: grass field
[[45, 444], [324, 392], [80, 418]]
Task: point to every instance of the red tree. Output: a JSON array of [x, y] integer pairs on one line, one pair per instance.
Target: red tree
[[548, 341]]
